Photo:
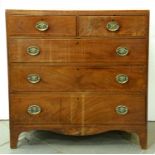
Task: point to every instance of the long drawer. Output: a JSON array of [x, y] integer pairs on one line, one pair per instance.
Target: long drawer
[[78, 51], [45, 77], [77, 108]]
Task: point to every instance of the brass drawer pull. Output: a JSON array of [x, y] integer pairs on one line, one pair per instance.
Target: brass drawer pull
[[122, 51], [121, 110], [112, 26], [122, 78], [33, 78], [34, 109], [41, 26], [33, 50]]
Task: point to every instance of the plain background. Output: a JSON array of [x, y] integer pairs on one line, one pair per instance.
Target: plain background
[[75, 5]]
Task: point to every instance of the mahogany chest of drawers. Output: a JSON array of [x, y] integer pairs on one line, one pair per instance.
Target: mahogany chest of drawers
[[78, 72]]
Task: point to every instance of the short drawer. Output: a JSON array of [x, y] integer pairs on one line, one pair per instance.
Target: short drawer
[[41, 25], [45, 108], [42, 77], [78, 51], [114, 109], [113, 26]]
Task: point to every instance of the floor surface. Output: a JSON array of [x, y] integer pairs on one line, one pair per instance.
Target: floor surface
[[45, 142]]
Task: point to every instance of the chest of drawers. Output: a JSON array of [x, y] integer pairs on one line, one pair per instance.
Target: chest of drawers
[[78, 72]]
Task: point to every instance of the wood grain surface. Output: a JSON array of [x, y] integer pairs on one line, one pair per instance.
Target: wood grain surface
[[78, 51], [77, 108], [133, 26], [58, 25], [77, 78]]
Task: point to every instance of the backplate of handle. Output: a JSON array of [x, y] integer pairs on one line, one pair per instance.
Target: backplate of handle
[[122, 51], [112, 26], [121, 109], [33, 78], [41, 26], [122, 78], [33, 50], [34, 109]]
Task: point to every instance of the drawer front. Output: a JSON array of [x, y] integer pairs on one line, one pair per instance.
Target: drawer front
[[44, 108], [35, 77], [114, 109], [41, 25], [77, 108], [80, 51], [113, 26]]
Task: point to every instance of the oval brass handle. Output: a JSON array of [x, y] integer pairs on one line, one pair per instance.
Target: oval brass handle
[[122, 78], [33, 78], [34, 109], [112, 26], [122, 51], [121, 110], [33, 50], [41, 26]]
